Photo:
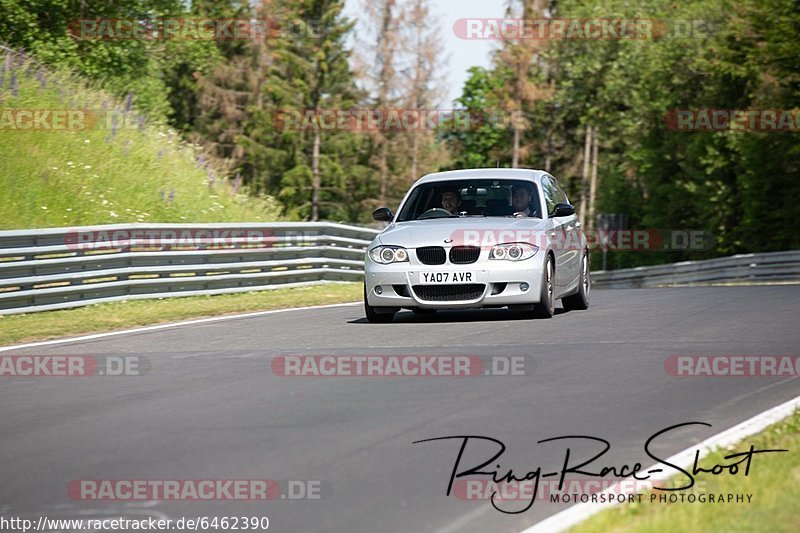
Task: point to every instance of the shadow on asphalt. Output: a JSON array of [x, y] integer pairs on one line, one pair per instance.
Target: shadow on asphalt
[[467, 315]]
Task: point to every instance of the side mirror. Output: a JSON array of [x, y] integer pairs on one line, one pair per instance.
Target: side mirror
[[384, 214], [563, 210]]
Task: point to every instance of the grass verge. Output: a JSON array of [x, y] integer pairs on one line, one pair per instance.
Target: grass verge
[[123, 315], [105, 166], [774, 482]]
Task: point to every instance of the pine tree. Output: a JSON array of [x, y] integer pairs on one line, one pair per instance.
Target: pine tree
[[518, 62], [423, 86], [311, 71]]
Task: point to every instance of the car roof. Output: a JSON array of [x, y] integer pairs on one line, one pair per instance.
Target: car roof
[[485, 173]]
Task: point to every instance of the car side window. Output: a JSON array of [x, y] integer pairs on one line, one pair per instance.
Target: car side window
[[551, 194], [561, 194]]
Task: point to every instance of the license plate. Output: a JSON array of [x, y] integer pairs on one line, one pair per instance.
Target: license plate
[[446, 278]]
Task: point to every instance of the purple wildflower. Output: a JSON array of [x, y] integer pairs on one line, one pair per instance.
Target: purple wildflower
[[236, 183], [128, 103], [172, 194]]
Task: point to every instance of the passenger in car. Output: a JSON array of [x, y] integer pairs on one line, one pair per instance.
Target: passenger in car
[[521, 201], [451, 200]]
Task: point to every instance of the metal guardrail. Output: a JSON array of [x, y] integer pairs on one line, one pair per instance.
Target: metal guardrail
[[766, 267], [59, 268]]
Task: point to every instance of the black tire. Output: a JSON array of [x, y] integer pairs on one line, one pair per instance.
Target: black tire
[[378, 315], [422, 311], [580, 300], [546, 307]]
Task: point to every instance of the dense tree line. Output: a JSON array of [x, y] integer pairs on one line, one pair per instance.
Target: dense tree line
[[573, 101]]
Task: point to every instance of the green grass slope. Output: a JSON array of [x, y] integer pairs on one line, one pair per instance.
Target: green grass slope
[[104, 170]]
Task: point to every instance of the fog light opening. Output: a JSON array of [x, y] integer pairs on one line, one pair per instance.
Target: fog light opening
[[524, 287], [497, 288], [378, 290]]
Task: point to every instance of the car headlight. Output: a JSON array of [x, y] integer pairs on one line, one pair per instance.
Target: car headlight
[[513, 251], [389, 254]]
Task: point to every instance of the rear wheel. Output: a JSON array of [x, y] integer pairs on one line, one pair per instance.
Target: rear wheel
[[380, 315], [546, 307], [580, 300]]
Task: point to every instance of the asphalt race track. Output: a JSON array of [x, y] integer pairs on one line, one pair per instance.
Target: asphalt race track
[[211, 407]]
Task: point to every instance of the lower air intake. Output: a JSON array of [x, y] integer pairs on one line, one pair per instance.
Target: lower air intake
[[449, 293]]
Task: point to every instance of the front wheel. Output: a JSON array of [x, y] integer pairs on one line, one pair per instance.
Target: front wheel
[[380, 315], [546, 307], [580, 300]]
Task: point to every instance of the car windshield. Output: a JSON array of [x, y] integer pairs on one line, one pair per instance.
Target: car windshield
[[469, 198]]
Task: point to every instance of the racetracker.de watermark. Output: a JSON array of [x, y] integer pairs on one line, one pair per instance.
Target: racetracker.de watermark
[[194, 29], [732, 365], [59, 120], [197, 489], [560, 29], [29, 366], [395, 120], [637, 240], [554, 490], [165, 239], [767, 120], [395, 366]]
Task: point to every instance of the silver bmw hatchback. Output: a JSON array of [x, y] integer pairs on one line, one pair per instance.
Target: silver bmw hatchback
[[478, 238]]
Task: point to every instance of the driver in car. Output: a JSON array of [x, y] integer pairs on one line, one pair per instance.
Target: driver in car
[[451, 200]]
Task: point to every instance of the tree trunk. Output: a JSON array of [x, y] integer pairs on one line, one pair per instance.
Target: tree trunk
[[387, 41], [593, 186], [515, 153], [585, 176], [384, 169], [548, 158], [414, 150], [316, 180], [518, 103]]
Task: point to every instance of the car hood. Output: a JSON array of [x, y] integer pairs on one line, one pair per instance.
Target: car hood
[[438, 232]]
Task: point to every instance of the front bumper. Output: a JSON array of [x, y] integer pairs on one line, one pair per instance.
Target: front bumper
[[501, 280]]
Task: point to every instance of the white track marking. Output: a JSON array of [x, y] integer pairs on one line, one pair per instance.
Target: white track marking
[[579, 512]]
